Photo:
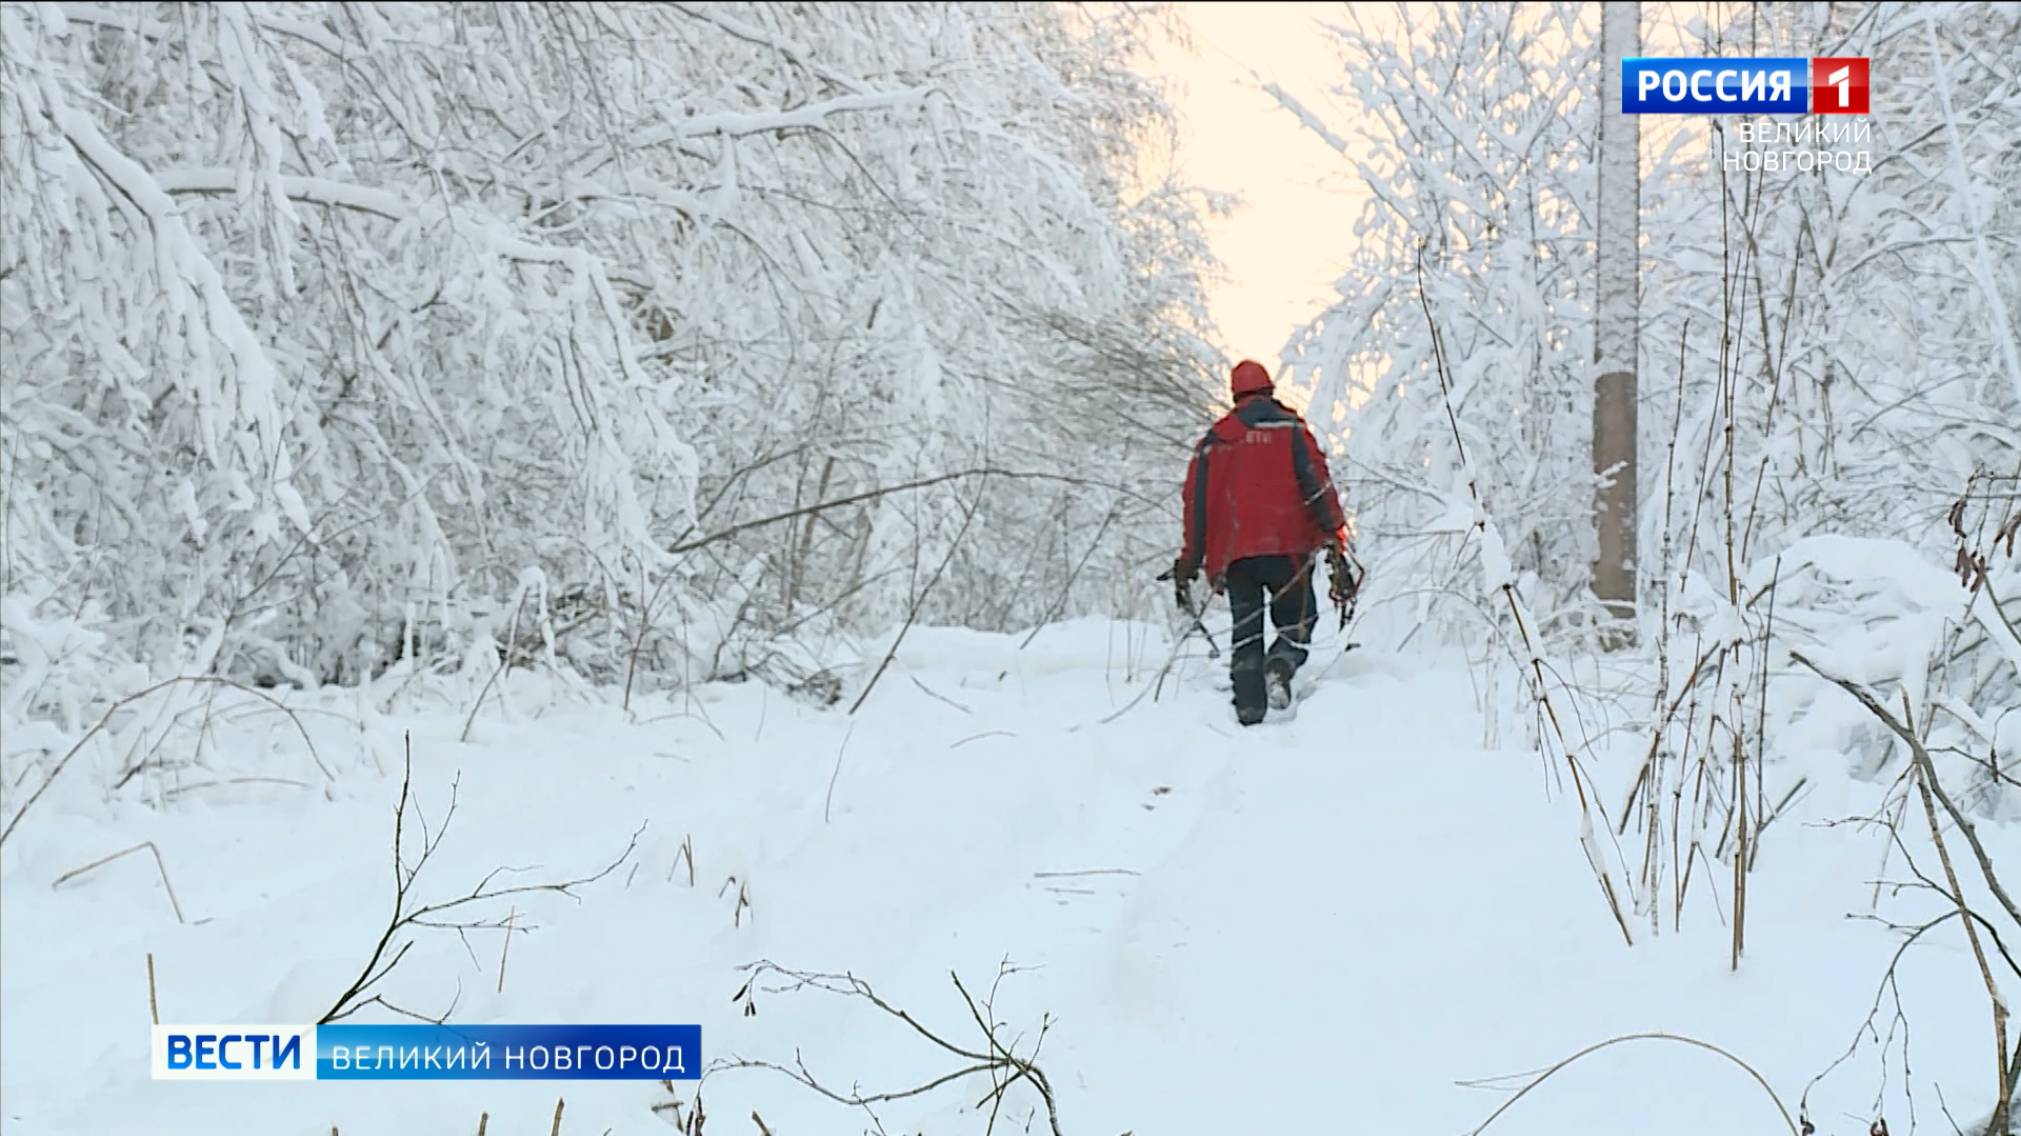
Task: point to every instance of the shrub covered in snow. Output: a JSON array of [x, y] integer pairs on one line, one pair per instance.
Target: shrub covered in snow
[[342, 337]]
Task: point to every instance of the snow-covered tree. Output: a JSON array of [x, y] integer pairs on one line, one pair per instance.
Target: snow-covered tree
[[1839, 321], [342, 336], [1829, 379], [1475, 138]]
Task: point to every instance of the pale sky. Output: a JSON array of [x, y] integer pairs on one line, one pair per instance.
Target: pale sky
[[1283, 249]]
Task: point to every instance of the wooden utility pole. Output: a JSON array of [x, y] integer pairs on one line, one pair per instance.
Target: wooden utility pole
[[1617, 235]]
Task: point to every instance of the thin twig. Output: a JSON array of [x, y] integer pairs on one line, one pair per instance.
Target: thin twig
[[1087, 872], [686, 853], [1655, 1036], [1153, 687], [178, 790], [506, 947], [981, 736], [407, 916], [1921, 756], [932, 693], [999, 1063], [1931, 790], [828, 801], [104, 860], [885, 491]]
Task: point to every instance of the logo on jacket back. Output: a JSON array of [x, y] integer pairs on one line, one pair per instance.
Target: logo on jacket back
[[1770, 85]]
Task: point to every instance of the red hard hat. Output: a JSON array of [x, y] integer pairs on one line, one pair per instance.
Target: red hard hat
[[1249, 377]]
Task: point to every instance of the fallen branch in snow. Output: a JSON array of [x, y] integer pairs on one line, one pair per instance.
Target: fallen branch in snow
[[1087, 872], [191, 787], [932, 693], [1654, 1036], [158, 866], [408, 916], [997, 1060], [981, 736]]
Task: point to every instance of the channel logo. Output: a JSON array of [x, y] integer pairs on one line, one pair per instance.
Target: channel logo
[[402, 1052], [234, 1053], [1835, 84]]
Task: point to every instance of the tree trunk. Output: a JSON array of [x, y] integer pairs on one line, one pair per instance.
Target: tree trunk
[[1617, 232]]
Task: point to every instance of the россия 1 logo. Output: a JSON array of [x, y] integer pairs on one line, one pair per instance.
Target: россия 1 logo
[[1771, 85]]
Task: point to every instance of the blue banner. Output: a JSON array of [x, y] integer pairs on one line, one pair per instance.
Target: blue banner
[[1697, 85], [421, 1052]]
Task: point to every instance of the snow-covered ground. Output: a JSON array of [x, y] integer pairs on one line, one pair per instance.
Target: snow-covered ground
[[1325, 924]]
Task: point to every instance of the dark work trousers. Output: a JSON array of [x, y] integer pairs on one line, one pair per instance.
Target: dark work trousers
[[1283, 584]]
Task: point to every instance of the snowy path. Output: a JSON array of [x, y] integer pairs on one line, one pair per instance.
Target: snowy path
[[1324, 923]]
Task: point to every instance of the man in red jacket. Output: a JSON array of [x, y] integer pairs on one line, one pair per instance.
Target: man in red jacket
[[1259, 503]]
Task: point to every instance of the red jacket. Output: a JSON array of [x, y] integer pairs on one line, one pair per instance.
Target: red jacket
[[1257, 486]]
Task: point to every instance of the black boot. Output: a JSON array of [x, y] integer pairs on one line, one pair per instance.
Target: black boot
[[1251, 695], [1277, 683]]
